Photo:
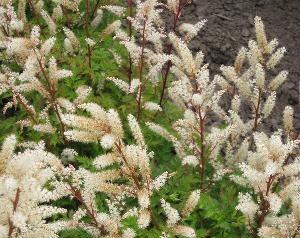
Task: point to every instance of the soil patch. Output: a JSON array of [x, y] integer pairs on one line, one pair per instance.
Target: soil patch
[[230, 26]]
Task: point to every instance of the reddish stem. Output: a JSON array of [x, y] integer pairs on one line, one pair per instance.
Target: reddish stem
[[132, 173], [257, 110], [176, 17], [15, 205], [52, 93], [90, 56], [90, 212], [36, 15], [66, 15], [264, 205], [29, 111], [136, 179], [130, 7], [297, 231], [141, 69], [87, 33], [95, 8], [202, 152]]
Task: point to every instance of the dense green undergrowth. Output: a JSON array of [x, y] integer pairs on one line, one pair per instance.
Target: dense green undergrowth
[[214, 216], [216, 209]]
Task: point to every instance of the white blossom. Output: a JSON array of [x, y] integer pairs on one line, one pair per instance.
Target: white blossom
[[247, 206], [191, 203], [151, 106], [171, 213], [288, 114]]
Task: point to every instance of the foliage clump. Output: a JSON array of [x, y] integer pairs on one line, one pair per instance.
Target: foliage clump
[[114, 128]]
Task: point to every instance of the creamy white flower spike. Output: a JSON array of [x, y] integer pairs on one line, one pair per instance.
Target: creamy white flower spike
[[265, 167], [23, 194]]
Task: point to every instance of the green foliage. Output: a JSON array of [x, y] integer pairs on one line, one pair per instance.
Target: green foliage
[[215, 215], [75, 233]]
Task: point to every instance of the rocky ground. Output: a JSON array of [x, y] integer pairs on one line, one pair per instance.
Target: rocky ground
[[230, 26]]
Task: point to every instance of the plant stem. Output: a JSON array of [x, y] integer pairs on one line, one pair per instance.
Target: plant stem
[[87, 13], [165, 80], [95, 9], [62, 125], [30, 112], [297, 231], [264, 205], [15, 205], [132, 173], [87, 33], [65, 13], [52, 99], [130, 8], [90, 212], [257, 110], [202, 152], [136, 180], [141, 71], [34, 12], [90, 56], [176, 17]]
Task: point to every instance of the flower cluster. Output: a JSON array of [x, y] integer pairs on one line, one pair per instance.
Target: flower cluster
[[199, 141], [173, 216], [133, 165], [24, 200], [197, 94], [264, 170], [248, 84], [148, 50], [104, 164]]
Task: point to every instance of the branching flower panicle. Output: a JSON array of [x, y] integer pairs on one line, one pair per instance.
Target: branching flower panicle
[[78, 163]]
